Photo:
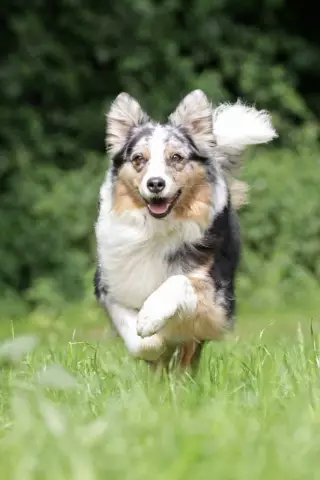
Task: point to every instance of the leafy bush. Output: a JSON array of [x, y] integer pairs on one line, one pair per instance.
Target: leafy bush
[[281, 225], [62, 66]]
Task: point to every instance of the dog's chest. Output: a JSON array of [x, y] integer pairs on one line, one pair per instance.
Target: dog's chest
[[134, 259], [133, 269]]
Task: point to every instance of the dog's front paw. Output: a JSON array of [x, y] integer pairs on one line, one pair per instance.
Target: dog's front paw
[[150, 348], [150, 319], [174, 295], [160, 306]]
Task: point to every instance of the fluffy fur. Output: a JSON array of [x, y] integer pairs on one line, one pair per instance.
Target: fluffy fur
[[167, 233]]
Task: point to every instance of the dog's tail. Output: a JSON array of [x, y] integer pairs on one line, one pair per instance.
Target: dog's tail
[[235, 126]]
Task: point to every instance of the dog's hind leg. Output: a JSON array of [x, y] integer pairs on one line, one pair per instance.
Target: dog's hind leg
[[190, 354]]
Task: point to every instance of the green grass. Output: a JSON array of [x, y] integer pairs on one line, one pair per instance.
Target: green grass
[[76, 408]]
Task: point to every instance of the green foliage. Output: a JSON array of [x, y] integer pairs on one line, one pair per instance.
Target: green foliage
[[61, 67], [281, 226]]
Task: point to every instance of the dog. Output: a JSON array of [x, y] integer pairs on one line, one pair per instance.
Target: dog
[[168, 237]]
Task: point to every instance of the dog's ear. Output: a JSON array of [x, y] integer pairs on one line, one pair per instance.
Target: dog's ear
[[237, 126], [194, 113], [125, 114]]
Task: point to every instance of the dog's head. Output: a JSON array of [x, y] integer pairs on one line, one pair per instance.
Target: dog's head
[[178, 167]]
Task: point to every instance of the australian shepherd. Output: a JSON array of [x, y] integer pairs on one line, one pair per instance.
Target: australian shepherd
[[167, 231]]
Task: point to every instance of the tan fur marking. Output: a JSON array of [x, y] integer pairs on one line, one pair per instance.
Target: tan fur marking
[[126, 197], [187, 353], [195, 201], [239, 192], [210, 318], [209, 321]]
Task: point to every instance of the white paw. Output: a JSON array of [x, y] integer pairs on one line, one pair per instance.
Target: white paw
[[150, 348], [174, 294], [150, 321]]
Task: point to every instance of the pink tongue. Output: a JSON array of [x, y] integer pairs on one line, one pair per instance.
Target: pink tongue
[[158, 208]]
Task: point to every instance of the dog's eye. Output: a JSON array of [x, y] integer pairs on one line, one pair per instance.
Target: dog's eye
[[176, 157], [138, 161]]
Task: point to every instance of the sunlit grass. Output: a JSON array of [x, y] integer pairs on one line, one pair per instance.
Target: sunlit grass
[[81, 409]]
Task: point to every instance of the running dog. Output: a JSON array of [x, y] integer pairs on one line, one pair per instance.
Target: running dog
[[167, 232]]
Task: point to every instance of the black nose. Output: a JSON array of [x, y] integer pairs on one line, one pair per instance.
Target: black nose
[[156, 184]]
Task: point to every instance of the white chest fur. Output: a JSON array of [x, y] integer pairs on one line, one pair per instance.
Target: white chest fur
[[133, 249]]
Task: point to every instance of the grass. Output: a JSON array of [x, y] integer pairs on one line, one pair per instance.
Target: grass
[[80, 409]]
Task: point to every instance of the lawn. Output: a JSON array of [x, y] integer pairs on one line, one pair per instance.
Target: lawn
[[76, 407]]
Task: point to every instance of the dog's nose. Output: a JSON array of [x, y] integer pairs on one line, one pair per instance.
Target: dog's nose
[[156, 184]]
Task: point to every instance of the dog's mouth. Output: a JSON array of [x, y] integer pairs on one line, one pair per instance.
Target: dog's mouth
[[160, 207]]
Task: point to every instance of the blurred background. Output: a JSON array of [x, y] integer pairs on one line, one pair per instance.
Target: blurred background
[[62, 65]]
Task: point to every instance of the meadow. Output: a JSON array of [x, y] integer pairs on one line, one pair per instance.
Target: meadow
[[74, 405]]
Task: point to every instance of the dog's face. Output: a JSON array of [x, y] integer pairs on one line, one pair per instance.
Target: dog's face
[[162, 167], [173, 168]]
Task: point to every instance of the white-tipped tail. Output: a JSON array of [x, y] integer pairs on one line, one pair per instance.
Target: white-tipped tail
[[236, 126]]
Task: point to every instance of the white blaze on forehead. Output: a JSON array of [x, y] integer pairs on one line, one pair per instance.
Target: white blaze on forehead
[[156, 166], [157, 163]]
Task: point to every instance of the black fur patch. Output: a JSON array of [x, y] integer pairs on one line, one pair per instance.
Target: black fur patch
[[195, 155], [133, 140], [121, 157], [184, 137], [99, 288]]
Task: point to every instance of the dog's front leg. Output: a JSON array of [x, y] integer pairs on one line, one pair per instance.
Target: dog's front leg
[[195, 310], [175, 296], [125, 322]]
